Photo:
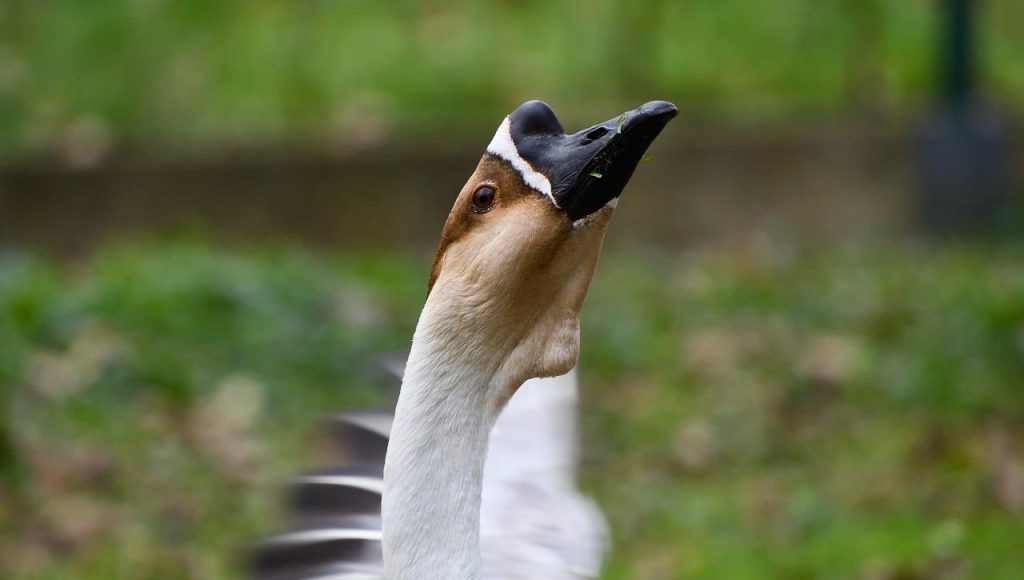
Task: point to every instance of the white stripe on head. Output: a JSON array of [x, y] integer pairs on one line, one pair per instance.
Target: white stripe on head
[[503, 146]]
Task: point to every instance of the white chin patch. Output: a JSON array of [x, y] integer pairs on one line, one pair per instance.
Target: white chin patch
[[612, 204], [503, 146]]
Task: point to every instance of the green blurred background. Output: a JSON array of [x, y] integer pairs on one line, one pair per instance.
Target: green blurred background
[[214, 214], [180, 75]]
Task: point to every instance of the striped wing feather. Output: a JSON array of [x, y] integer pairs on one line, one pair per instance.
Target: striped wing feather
[[534, 523]]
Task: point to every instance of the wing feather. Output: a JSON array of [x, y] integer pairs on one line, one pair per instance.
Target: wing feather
[[534, 523]]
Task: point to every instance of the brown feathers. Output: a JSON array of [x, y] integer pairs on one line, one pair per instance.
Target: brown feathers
[[512, 195]]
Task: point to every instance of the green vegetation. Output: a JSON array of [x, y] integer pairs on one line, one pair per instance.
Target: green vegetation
[[119, 73], [777, 412]]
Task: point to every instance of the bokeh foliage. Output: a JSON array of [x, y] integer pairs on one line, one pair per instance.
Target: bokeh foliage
[[770, 411], [177, 74]]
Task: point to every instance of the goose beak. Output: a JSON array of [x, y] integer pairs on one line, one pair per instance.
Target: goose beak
[[586, 170], [620, 146]]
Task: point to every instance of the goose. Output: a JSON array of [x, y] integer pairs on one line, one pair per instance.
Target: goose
[[490, 375]]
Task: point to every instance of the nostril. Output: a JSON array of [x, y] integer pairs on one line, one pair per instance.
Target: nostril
[[595, 134]]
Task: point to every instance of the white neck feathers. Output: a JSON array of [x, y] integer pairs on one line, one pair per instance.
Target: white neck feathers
[[434, 467]]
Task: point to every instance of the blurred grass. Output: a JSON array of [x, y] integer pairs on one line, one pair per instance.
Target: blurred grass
[[773, 411], [122, 73]]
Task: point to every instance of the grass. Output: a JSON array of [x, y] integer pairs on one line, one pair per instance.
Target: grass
[[780, 411], [84, 78]]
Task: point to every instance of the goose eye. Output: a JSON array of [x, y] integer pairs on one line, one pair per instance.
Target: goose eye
[[483, 198]]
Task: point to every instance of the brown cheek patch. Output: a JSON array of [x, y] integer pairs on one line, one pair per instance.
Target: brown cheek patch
[[462, 220]]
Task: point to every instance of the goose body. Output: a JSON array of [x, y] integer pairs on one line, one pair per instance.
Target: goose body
[[534, 522], [516, 257]]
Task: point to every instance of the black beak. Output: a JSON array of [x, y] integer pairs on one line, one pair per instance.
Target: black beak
[[590, 168]]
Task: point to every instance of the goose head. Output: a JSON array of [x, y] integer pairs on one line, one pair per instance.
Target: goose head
[[519, 247]]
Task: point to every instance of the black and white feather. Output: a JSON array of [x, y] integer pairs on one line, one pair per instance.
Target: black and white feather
[[534, 522]]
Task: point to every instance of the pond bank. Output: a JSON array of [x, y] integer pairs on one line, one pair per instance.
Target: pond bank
[[816, 183]]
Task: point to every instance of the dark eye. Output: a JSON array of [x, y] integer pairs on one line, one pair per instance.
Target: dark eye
[[483, 198]]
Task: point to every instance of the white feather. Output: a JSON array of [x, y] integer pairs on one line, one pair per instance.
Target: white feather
[[503, 146], [534, 523]]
